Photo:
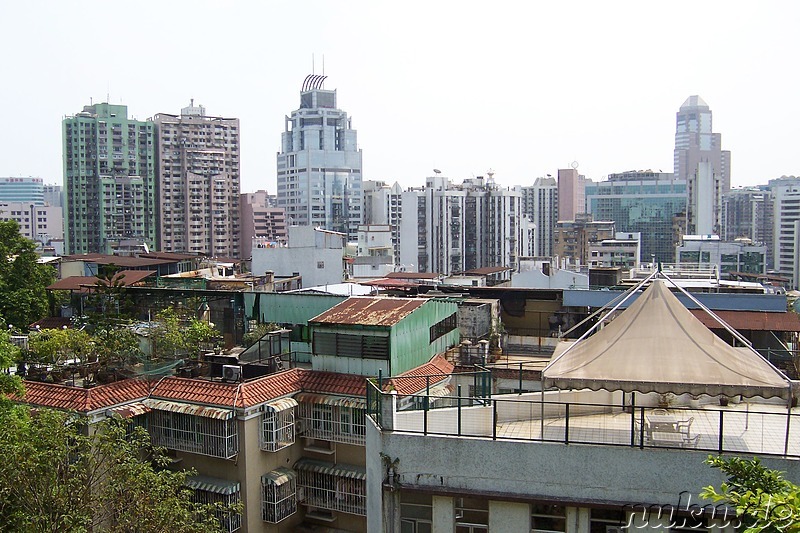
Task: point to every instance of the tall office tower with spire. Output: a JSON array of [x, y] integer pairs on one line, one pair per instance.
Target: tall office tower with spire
[[706, 167], [198, 182], [109, 180], [319, 165]]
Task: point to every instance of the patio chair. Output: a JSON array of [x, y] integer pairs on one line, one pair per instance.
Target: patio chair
[[691, 442], [684, 426], [637, 428]]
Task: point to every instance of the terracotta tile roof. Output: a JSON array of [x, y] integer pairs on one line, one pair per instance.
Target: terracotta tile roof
[[200, 391], [413, 275], [415, 381], [751, 320], [333, 383], [84, 283], [270, 387], [52, 322], [83, 400], [369, 311]]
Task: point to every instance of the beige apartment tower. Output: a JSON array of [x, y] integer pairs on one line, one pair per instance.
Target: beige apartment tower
[[197, 175]]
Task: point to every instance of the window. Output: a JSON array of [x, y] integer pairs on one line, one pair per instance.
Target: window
[[443, 327], [336, 487], [472, 515], [333, 418], [279, 495], [207, 490], [320, 264], [277, 425], [548, 518], [195, 434], [603, 519], [416, 513]]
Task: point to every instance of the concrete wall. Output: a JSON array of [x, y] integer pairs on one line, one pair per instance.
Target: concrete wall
[[318, 266], [504, 470]]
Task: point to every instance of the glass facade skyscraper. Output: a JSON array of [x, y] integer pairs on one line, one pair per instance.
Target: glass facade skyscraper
[[647, 202], [319, 165]]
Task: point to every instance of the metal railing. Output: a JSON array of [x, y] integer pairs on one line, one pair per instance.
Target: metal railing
[[754, 429]]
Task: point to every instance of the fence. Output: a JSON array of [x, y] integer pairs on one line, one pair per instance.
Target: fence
[[753, 429]]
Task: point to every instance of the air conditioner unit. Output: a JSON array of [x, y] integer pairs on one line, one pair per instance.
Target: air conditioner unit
[[231, 372], [299, 427]]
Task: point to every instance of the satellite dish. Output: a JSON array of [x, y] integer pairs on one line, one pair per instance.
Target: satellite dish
[[574, 165], [437, 171]]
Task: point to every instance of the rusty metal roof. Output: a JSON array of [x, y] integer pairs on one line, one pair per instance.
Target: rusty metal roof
[[750, 320], [371, 311], [87, 283]]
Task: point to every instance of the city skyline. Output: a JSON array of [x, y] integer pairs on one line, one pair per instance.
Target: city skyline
[[600, 85]]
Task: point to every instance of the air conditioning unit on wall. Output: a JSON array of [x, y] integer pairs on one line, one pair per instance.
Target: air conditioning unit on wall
[[231, 372]]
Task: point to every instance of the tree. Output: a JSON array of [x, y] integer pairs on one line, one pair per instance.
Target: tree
[[764, 500], [57, 474], [9, 354], [171, 337], [23, 298], [55, 346]]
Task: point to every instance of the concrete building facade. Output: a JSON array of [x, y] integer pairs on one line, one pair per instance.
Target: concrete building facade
[[25, 190], [198, 182], [319, 164], [263, 223], [109, 180], [540, 205], [571, 193], [383, 204], [624, 251], [572, 238], [747, 213], [313, 253], [40, 223], [462, 227], [709, 250]]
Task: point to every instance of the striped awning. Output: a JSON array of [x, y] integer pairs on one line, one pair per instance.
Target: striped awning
[[213, 484], [282, 404], [128, 411], [330, 399], [189, 409], [338, 470], [279, 476]]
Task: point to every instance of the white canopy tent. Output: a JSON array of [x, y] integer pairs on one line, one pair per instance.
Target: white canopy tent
[[657, 345]]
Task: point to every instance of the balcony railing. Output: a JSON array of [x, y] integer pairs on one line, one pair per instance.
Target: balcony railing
[[582, 417]]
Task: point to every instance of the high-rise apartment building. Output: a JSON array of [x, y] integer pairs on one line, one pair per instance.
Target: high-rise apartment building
[[198, 182], [449, 228], [263, 223], [747, 213], [571, 193], [383, 204], [109, 180], [786, 228], [319, 165], [40, 223], [700, 160], [641, 201], [540, 205], [53, 195]]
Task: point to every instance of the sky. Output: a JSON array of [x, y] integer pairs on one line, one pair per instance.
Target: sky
[[519, 88]]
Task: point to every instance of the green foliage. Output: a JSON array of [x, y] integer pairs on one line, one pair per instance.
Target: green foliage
[[764, 500], [252, 336], [23, 298], [117, 346], [171, 338], [9, 354], [54, 346], [59, 475]]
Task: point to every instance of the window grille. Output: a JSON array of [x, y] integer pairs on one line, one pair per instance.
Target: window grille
[[279, 495], [338, 487], [548, 518], [277, 425], [443, 327], [333, 418], [217, 491], [348, 345], [194, 434]]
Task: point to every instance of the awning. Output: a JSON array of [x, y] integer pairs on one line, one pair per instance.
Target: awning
[[330, 399], [282, 404], [189, 409], [279, 476], [338, 470], [128, 411], [213, 484], [657, 345]]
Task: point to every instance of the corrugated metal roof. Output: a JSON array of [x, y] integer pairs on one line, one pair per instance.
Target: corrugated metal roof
[[328, 399], [283, 404], [189, 409], [130, 410], [338, 470], [750, 320], [485, 271], [379, 311], [212, 484], [279, 476]]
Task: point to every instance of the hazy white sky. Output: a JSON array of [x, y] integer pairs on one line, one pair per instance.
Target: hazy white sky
[[523, 88]]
